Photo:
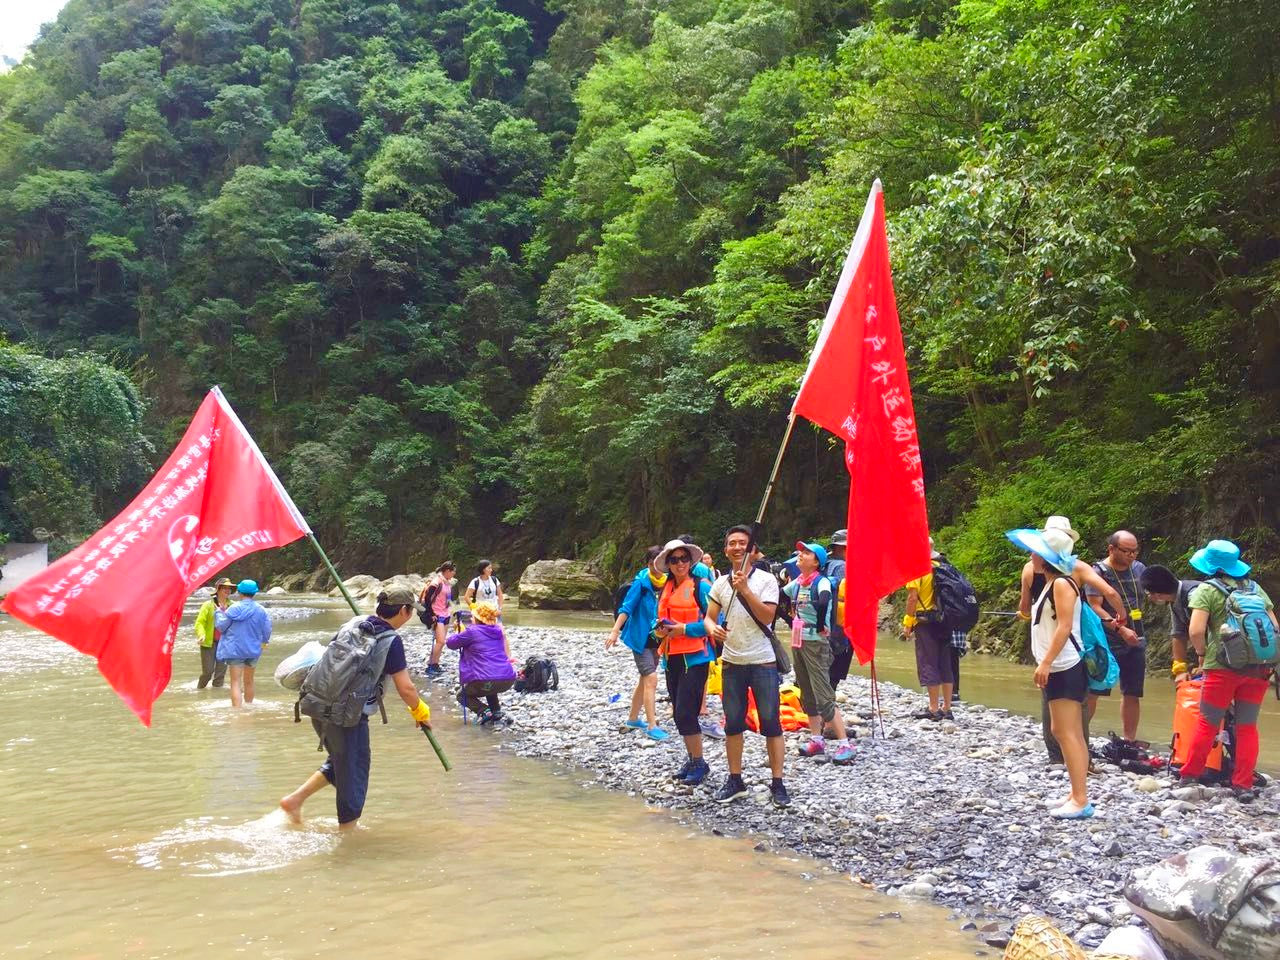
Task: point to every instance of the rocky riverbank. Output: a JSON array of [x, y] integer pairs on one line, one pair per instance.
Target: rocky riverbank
[[953, 812]]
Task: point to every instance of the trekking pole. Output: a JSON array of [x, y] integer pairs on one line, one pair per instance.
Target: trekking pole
[[356, 610], [777, 465]]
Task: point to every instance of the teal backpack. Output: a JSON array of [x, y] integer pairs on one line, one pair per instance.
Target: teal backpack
[[1099, 661], [1248, 636]]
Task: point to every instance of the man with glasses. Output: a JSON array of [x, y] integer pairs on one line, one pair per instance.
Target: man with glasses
[[1123, 570], [747, 597]]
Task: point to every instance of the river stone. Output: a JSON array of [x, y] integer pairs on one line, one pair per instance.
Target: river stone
[[1148, 785], [917, 889], [292, 582], [358, 586], [562, 585], [276, 591]]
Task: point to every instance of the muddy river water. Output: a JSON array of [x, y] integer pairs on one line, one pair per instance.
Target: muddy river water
[[118, 841]]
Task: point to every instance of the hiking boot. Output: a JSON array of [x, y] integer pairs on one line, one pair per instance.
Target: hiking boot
[[946, 715], [1244, 794], [684, 769], [434, 670], [812, 747], [922, 715], [733, 789], [778, 794], [698, 771], [842, 753]]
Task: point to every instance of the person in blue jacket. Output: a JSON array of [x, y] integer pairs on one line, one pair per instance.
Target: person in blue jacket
[[637, 615], [245, 629]]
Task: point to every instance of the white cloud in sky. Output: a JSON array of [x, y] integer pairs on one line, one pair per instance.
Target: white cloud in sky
[[20, 21]]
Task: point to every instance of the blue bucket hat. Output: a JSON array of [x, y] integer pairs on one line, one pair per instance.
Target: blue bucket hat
[[817, 549], [1220, 556], [1052, 545], [247, 588]]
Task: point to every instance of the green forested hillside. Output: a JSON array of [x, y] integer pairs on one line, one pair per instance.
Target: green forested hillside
[[540, 278]]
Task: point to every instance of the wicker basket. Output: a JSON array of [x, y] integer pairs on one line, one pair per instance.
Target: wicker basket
[[1035, 938]]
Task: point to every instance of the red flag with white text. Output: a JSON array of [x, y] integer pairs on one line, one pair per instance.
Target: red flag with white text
[[118, 596], [856, 386]]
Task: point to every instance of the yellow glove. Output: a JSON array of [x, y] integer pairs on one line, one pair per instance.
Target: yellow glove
[[1178, 669], [421, 713], [908, 621], [1024, 616]]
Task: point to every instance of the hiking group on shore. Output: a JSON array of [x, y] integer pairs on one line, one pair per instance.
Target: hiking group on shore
[[711, 632]]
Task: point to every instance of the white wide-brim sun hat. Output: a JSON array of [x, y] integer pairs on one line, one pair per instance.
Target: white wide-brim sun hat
[[1053, 546]]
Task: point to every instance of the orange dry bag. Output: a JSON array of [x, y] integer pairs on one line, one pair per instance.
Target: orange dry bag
[[1186, 717]]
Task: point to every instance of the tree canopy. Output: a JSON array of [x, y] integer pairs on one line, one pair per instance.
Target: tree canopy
[[531, 278]]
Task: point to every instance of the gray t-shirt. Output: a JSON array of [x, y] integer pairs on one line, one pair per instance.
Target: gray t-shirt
[[746, 643], [1180, 612], [1128, 585]]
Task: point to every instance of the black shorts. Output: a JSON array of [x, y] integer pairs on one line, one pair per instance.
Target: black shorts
[[1133, 669], [1069, 684]]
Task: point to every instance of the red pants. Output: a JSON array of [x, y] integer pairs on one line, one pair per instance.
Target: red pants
[[1221, 689]]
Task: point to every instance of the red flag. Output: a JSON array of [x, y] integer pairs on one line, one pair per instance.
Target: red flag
[[118, 596], [857, 387]]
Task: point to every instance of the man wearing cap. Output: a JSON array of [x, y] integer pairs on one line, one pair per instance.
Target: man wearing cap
[[1225, 688], [207, 633], [933, 646], [246, 629], [1122, 570], [347, 765]]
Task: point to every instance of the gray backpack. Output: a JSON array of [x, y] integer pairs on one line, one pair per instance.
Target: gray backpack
[[347, 677]]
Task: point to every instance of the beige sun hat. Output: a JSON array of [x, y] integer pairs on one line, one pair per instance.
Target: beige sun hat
[[1062, 523], [660, 561]]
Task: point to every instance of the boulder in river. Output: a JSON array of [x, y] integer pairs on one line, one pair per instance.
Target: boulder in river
[[276, 591], [362, 587], [562, 585]]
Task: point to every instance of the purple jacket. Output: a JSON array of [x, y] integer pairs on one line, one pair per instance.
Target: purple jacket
[[484, 653]]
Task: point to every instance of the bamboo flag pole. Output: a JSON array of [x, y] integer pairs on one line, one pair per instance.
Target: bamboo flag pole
[[777, 465], [444, 761]]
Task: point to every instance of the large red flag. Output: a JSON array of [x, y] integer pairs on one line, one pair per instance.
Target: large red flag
[[118, 596], [857, 387]]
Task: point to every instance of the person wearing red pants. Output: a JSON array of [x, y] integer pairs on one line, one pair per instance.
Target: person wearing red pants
[[1224, 687]]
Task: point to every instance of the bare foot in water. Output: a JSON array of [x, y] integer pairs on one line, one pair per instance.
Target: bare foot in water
[[292, 808]]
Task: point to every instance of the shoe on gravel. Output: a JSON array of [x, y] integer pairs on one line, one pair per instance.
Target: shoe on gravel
[[733, 789], [778, 794], [813, 747], [842, 754], [698, 772]]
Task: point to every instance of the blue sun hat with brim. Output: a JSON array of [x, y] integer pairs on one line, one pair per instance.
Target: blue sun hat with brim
[[1220, 556], [247, 588], [1052, 545]]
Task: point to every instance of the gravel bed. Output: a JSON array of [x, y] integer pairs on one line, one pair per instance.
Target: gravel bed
[[951, 812]]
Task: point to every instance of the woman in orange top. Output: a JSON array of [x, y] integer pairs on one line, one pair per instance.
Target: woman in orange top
[[686, 650]]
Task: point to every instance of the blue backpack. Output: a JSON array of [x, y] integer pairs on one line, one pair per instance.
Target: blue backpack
[[1099, 662], [1248, 636]]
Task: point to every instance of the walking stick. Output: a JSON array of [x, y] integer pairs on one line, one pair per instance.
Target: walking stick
[[356, 610]]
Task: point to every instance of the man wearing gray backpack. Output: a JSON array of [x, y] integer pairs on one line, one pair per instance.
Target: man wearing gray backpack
[[341, 692], [1234, 630]]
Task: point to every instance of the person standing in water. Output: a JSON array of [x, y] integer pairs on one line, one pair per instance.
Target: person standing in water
[[211, 668], [347, 765], [245, 629]]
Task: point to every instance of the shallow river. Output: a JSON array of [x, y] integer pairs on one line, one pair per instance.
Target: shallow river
[[122, 842]]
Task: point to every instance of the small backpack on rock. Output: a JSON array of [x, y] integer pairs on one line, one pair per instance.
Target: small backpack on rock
[[538, 676], [347, 676]]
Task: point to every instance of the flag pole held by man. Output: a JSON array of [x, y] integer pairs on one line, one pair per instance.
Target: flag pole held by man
[[856, 386]]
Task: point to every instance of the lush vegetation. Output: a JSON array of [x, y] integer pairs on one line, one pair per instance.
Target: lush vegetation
[[538, 278]]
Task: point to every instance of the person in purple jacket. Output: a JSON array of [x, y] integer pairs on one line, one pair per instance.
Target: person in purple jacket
[[484, 663]]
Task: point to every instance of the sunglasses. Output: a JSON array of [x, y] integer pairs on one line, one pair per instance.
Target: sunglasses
[[681, 558]]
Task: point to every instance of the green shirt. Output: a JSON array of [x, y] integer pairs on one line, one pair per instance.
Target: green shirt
[[1213, 601], [204, 624]]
